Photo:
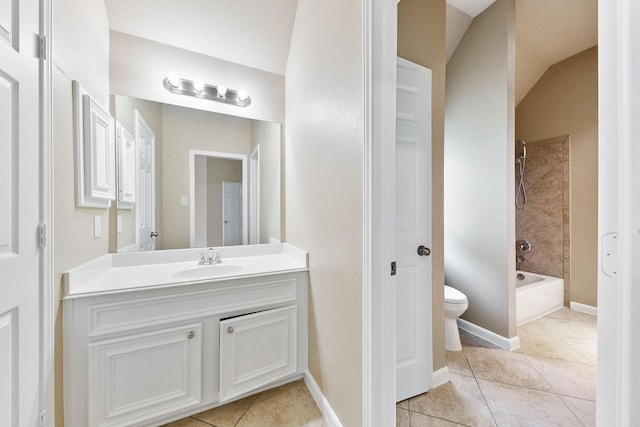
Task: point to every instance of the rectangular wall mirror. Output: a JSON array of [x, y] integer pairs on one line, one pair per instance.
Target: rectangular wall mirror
[[202, 178]]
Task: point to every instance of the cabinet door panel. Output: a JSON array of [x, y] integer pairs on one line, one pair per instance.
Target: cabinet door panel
[[256, 349], [145, 375]]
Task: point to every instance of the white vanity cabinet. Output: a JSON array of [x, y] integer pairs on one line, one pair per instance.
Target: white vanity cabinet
[[148, 356]]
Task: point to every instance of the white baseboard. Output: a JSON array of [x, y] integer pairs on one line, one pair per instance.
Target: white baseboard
[[440, 377], [502, 342], [583, 308], [327, 412]]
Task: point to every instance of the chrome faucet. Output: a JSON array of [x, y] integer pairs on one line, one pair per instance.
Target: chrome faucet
[[210, 259]]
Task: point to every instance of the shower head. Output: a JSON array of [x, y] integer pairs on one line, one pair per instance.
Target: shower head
[[524, 148]]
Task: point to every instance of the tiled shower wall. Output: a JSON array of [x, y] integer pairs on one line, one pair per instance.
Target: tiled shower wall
[[544, 222]]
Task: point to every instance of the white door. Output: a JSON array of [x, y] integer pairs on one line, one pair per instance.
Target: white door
[[413, 229], [145, 185], [231, 213], [19, 214], [254, 194]]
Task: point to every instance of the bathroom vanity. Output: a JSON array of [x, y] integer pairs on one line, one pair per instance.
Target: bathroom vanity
[[152, 337]]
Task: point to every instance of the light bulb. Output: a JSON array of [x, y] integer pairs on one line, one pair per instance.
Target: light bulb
[[198, 85], [174, 80], [242, 95], [222, 91]]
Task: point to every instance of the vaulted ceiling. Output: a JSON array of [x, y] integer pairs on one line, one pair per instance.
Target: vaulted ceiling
[[235, 30], [547, 31]]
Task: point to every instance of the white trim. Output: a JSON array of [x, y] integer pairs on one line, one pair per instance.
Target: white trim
[[378, 293], [618, 387], [441, 376], [192, 191], [48, 300], [502, 342], [583, 308], [330, 417]]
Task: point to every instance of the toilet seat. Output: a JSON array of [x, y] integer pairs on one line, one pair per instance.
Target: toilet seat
[[454, 296]]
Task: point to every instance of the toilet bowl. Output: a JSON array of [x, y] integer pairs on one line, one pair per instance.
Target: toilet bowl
[[455, 303]]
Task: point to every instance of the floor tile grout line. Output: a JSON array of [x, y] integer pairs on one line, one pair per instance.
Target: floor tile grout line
[[248, 407], [486, 402], [199, 420], [475, 378]]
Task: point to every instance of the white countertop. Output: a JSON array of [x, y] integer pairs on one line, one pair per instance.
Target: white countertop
[[139, 270]]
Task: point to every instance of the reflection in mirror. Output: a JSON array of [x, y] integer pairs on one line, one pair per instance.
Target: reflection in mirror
[[197, 155]]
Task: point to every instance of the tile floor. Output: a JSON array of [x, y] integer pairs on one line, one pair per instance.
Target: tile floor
[[549, 381], [290, 405]]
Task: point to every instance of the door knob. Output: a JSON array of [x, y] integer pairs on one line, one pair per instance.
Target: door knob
[[423, 251], [154, 234]]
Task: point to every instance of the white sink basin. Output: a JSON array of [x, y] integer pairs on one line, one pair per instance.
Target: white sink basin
[[204, 271]]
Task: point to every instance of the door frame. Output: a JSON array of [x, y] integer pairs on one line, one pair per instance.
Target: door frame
[[192, 190], [48, 294], [618, 389], [380, 33]]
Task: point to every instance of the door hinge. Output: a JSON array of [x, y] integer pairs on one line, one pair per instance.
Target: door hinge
[[42, 235], [393, 268], [42, 47]]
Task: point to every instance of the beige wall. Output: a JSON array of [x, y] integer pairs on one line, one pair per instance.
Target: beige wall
[[123, 108], [565, 102], [324, 149], [269, 136], [80, 52], [421, 39], [218, 170], [479, 203], [138, 67], [184, 129]]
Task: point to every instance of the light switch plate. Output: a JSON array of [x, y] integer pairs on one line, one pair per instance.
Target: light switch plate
[[97, 226]]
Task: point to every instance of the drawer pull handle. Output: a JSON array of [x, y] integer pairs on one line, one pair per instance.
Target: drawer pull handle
[[230, 330], [191, 335]]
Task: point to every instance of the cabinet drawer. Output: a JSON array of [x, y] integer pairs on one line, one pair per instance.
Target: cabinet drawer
[[139, 376], [113, 317], [256, 349]]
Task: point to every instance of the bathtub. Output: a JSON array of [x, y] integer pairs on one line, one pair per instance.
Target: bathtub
[[537, 295]]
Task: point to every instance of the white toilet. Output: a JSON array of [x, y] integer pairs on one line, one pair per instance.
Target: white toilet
[[455, 303]]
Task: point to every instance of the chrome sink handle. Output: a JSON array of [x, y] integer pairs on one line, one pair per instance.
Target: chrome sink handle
[[203, 259], [218, 258]]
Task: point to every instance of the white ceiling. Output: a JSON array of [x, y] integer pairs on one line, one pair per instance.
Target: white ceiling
[[260, 30], [547, 31]]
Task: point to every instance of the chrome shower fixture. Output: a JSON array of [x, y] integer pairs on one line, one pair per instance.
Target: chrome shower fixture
[[199, 89], [522, 191], [524, 149], [523, 245]]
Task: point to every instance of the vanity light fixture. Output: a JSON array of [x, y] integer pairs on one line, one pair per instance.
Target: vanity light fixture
[[173, 80], [198, 89], [198, 85]]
